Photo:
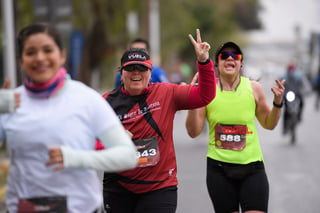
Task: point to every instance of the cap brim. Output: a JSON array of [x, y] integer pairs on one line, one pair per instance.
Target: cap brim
[[144, 63]]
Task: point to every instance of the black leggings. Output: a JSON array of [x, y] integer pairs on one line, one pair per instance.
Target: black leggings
[[245, 186], [159, 201]]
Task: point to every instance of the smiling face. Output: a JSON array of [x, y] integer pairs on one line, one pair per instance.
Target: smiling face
[[135, 81], [41, 57], [229, 67]]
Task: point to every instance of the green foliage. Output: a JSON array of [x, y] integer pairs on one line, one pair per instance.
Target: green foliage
[[24, 13], [103, 23], [214, 18]]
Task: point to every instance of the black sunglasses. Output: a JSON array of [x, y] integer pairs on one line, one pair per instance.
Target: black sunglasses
[[133, 67], [234, 55]]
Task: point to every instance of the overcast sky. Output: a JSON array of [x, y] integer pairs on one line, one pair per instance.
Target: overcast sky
[[280, 17]]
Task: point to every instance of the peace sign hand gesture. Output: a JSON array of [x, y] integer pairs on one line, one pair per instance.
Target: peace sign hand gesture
[[201, 48]]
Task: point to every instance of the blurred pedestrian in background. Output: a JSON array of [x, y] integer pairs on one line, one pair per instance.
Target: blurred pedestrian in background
[[182, 72], [236, 176], [157, 74], [147, 111], [51, 136], [297, 82]]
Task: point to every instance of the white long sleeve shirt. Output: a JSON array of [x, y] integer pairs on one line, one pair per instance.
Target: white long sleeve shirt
[[72, 119]]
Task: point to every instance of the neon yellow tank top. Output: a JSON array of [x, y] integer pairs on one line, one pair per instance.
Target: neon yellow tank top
[[233, 134]]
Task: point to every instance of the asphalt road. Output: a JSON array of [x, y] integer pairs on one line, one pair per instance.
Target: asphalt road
[[293, 171]]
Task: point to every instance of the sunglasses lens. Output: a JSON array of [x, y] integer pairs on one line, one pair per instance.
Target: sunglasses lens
[[237, 57], [225, 55], [133, 67], [129, 68], [141, 68]]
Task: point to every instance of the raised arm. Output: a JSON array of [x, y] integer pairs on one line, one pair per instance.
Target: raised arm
[[268, 117], [202, 94], [195, 118], [195, 121]]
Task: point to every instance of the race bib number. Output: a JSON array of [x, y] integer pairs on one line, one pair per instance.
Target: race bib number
[[43, 205], [147, 151], [230, 136]]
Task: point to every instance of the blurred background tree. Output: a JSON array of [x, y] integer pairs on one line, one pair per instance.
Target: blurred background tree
[[105, 25]]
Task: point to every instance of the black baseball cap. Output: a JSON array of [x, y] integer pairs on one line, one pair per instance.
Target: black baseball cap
[[136, 56], [225, 45]]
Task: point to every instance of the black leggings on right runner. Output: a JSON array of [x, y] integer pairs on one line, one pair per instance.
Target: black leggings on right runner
[[232, 186]]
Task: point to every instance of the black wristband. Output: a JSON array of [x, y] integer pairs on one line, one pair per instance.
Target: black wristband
[[204, 63], [277, 105]]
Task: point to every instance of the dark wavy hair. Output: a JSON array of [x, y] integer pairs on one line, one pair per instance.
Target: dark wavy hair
[[34, 29]]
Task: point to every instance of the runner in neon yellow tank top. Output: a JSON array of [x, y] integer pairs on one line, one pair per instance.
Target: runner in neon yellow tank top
[[235, 169]]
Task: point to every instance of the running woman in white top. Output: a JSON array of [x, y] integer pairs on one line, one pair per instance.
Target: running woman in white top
[[51, 136]]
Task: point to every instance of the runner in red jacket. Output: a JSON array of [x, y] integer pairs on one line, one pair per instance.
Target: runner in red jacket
[[147, 111]]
